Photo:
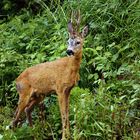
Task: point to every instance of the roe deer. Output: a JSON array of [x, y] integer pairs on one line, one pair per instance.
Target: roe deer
[[58, 76]]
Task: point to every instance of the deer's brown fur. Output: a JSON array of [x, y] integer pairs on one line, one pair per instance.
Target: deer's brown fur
[[58, 76]]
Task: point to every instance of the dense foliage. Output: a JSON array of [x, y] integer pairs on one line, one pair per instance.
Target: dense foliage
[[106, 104]]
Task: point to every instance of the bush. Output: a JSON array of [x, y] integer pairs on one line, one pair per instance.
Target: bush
[[108, 96], [92, 116]]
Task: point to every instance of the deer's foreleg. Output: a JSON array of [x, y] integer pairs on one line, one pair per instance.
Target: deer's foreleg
[[63, 99]]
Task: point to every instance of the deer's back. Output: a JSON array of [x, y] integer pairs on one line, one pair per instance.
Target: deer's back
[[45, 77]]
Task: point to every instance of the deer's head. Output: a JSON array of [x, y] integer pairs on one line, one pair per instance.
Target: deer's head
[[75, 41]]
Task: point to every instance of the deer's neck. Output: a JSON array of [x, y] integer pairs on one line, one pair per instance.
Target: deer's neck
[[76, 61]]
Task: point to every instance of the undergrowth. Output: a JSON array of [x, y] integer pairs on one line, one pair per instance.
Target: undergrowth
[[99, 116], [106, 104]]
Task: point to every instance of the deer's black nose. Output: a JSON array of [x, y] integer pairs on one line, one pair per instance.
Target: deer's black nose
[[70, 52]]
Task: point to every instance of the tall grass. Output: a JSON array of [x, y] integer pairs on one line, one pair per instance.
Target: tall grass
[[106, 106], [100, 117]]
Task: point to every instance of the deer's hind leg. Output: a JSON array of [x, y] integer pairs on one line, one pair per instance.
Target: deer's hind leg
[[24, 98], [30, 107], [41, 112], [28, 111]]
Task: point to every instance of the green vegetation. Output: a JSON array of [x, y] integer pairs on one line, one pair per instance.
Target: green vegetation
[[106, 105]]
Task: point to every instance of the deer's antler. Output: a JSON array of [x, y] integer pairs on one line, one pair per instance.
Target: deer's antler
[[75, 19], [78, 19]]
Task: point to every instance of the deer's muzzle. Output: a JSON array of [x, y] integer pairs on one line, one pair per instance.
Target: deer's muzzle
[[70, 52]]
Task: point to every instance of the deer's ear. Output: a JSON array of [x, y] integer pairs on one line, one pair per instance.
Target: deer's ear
[[70, 27], [85, 31]]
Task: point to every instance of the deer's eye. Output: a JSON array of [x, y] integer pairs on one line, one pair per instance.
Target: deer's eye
[[78, 42]]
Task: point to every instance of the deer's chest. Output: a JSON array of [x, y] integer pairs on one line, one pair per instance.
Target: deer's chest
[[70, 77]]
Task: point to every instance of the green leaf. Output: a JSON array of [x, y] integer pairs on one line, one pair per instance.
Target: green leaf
[[99, 48], [90, 76], [133, 100]]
